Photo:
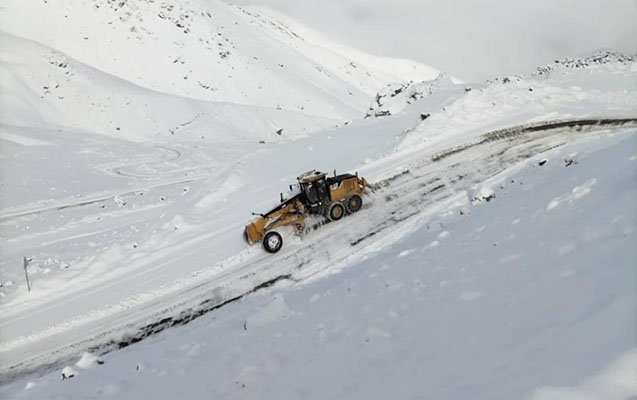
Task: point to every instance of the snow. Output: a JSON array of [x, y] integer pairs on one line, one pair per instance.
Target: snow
[[443, 323], [121, 109], [88, 361], [22, 140], [485, 193], [67, 373], [218, 52], [274, 311], [491, 256], [614, 382], [470, 296], [563, 91]]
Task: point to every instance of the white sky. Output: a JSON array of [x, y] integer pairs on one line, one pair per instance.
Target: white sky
[[472, 39]]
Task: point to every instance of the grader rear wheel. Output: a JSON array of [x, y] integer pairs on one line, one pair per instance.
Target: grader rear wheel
[[353, 203], [335, 211]]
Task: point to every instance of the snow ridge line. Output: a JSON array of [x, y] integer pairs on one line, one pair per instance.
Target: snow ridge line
[[511, 132], [578, 124], [148, 330], [182, 318]]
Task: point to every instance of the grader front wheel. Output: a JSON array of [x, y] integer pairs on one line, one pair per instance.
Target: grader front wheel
[[272, 242]]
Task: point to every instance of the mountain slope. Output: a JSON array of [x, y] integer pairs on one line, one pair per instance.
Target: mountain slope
[[43, 88], [526, 296], [120, 233], [209, 50], [480, 253]]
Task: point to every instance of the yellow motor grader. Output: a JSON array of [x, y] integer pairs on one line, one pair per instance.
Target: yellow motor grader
[[330, 196]]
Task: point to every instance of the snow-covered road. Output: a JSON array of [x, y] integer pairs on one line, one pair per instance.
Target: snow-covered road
[[528, 295], [193, 260]]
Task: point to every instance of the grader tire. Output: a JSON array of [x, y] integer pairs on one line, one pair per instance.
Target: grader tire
[[272, 242], [353, 203], [335, 212]]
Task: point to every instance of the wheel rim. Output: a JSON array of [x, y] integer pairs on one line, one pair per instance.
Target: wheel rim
[[273, 241], [337, 212]]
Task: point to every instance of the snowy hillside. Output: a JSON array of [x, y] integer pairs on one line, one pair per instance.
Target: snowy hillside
[[492, 258], [527, 296], [39, 86], [522, 91], [208, 50]]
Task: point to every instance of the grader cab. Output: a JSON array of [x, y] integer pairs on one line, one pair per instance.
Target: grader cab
[[331, 197]]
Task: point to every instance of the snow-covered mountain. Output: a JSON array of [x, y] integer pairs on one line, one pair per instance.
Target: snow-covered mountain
[[40, 86], [396, 97], [197, 51], [137, 137]]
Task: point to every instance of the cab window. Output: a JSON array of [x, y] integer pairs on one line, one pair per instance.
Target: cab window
[[310, 193]]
